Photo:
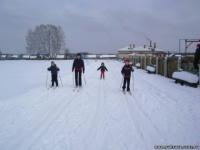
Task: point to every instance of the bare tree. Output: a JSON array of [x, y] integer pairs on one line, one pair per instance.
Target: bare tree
[[45, 39]]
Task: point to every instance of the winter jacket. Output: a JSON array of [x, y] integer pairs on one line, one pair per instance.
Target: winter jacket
[[196, 58], [126, 71], [54, 69], [103, 68], [78, 65]]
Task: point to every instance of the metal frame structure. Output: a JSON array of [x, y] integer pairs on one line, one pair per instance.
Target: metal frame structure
[[188, 43]]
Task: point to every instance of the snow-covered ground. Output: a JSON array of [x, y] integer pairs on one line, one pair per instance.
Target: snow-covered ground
[[185, 76], [99, 116]]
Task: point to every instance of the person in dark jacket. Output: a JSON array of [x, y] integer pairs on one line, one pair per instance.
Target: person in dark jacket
[[54, 73], [79, 68], [126, 72], [197, 57], [103, 69]]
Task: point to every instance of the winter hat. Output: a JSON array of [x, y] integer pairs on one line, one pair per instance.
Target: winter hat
[[126, 60], [78, 54], [198, 45], [52, 63]]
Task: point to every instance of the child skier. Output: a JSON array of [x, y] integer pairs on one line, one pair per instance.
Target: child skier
[[126, 72], [54, 73], [103, 69], [78, 66]]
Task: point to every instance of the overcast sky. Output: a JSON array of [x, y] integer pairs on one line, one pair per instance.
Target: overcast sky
[[101, 25]]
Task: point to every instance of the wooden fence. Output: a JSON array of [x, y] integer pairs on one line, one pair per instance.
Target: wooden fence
[[165, 65]]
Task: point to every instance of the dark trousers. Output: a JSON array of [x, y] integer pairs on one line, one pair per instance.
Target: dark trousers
[[54, 79], [102, 75], [78, 80], [126, 82]]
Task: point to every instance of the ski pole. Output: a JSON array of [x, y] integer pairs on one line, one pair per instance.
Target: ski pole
[[84, 79], [133, 81], [47, 80], [121, 83], [60, 80], [73, 80]]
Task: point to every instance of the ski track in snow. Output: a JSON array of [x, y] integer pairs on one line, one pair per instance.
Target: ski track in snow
[[99, 116], [137, 112]]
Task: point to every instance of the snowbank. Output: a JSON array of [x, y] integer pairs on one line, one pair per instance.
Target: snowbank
[[33, 57], [60, 56], [3, 56], [91, 56], [185, 76], [26, 56], [108, 56], [151, 69], [138, 65], [15, 56]]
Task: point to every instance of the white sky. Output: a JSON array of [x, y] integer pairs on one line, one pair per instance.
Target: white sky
[[101, 25]]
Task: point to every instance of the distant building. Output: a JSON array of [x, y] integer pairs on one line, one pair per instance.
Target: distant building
[[12, 57], [100, 56], [91, 56], [25, 56], [108, 56], [60, 56], [15, 56], [33, 57], [142, 50], [3, 56]]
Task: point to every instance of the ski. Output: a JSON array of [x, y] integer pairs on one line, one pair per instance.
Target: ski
[[76, 89], [124, 92], [130, 93], [53, 88]]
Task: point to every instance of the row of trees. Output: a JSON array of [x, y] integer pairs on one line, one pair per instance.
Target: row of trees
[[46, 39]]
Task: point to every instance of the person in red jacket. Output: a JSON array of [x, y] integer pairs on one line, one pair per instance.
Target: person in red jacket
[[103, 69], [126, 72]]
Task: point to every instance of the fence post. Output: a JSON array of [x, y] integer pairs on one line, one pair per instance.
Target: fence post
[[179, 63], [150, 60], [157, 65], [137, 59], [134, 60], [145, 62], [165, 66]]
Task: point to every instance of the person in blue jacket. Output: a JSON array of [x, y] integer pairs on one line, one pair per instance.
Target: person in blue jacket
[[54, 73]]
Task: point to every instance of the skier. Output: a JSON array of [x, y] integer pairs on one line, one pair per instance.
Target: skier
[[197, 57], [103, 69], [78, 66], [54, 73], [126, 72]]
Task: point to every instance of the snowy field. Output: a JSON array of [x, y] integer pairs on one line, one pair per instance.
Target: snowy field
[[99, 116]]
